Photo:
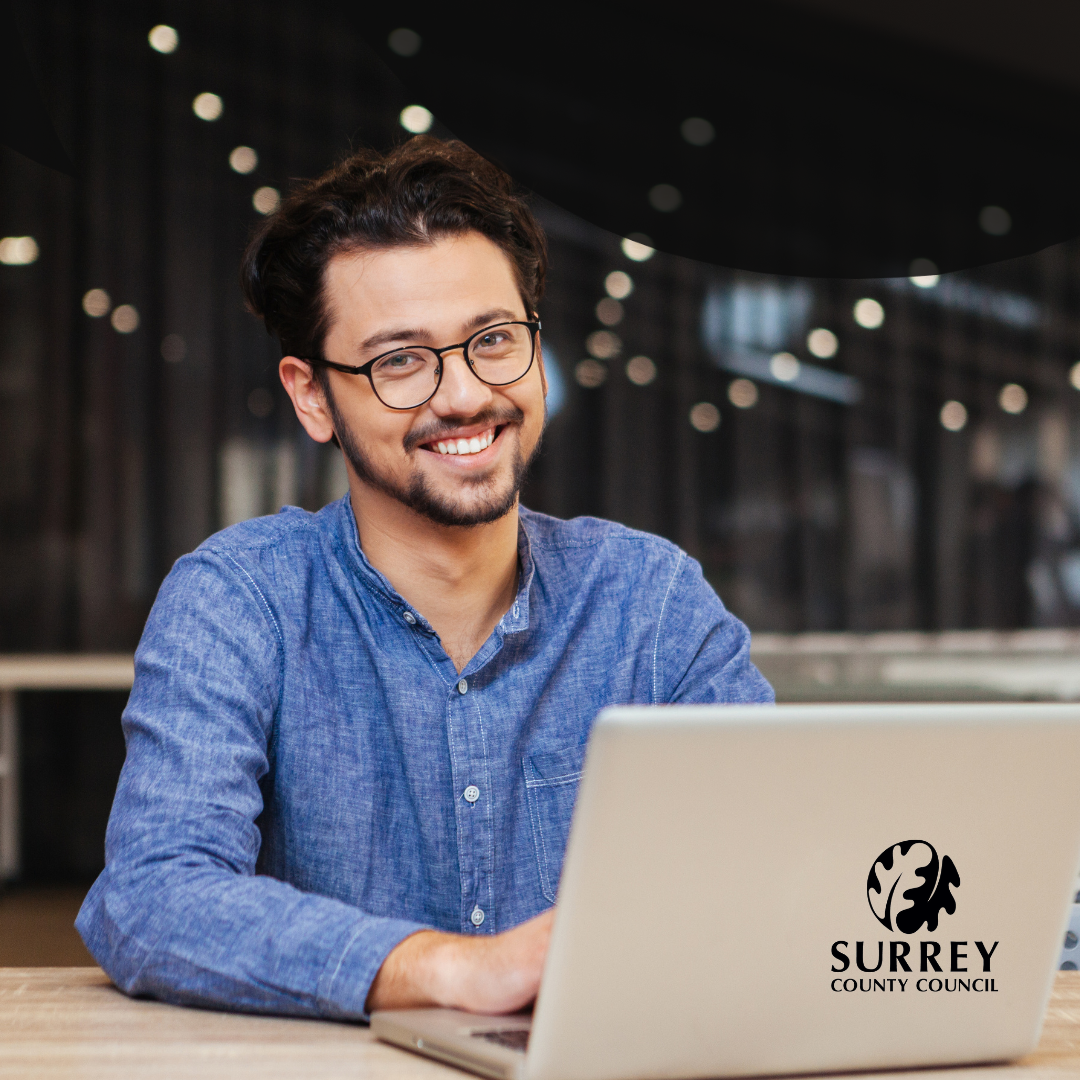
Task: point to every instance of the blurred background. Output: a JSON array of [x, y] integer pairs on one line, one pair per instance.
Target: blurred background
[[881, 477]]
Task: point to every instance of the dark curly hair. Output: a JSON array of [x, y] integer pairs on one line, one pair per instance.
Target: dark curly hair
[[418, 191]]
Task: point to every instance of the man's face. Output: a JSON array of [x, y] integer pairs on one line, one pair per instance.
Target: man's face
[[435, 295]]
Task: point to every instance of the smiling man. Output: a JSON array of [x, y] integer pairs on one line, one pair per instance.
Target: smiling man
[[355, 737]]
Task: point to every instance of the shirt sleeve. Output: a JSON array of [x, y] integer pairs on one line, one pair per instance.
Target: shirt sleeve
[[179, 913], [702, 653]]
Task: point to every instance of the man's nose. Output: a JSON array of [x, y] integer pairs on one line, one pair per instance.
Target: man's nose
[[461, 393]]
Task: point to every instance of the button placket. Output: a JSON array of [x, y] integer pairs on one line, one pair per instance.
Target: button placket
[[472, 808]]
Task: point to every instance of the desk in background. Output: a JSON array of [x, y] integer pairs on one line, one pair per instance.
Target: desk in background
[[85, 671], [71, 1022]]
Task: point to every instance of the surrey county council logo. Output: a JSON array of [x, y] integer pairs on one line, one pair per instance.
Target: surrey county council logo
[[909, 885]]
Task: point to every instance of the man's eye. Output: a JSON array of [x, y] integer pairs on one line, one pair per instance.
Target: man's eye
[[398, 362], [488, 341]]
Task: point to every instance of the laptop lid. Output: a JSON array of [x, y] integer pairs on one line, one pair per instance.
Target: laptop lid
[[810, 888]]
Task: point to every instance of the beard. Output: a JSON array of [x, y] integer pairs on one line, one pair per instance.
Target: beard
[[417, 493]]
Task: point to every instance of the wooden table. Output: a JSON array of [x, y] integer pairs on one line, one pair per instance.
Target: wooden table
[[72, 1023]]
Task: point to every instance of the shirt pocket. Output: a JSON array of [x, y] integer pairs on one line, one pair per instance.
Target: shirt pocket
[[551, 787]]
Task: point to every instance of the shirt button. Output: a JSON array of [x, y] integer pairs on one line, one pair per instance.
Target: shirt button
[[410, 618], [471, 793], [463, 688], [477, 916]]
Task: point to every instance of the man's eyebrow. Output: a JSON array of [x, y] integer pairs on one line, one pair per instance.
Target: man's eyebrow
[[416, 335]]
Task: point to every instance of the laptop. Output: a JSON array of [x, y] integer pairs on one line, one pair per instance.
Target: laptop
[[752, 891]]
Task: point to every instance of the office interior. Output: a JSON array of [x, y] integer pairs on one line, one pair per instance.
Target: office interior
[[880, 476]]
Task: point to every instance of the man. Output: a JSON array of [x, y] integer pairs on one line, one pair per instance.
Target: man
[[354, 737]]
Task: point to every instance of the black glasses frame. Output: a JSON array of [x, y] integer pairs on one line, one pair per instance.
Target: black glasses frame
[[365, 369]]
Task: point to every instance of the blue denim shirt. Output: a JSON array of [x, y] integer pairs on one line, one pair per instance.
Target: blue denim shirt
[[309, 780]]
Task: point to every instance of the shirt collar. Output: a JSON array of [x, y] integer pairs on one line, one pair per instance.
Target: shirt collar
[[514, 621]]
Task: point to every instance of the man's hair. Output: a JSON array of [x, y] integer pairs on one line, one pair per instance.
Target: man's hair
[[421, 190]]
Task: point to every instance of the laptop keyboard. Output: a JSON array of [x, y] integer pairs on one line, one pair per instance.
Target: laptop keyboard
[[511, 1038]]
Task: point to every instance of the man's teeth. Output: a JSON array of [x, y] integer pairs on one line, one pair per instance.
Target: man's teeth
[[467, 446]]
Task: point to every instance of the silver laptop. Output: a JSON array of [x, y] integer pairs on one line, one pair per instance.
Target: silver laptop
[[800, 889]]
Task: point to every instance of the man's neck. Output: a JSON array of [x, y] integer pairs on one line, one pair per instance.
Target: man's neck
[[462, 580]]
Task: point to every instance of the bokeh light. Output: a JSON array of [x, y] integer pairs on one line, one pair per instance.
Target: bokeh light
[[954, 416], [697, 131], [590, 374], [618, 285], [125, 319], [243, 160], [638, 247], [18, 250], [742, 393], [923, 273], [665, 198], [96, 303], [603, 344], [416, 119], [640, 370], [609, 311], [1074, 376], [404, 42], [266, 199], [1013, 398], [207, 106], [995, 220], [785, 367], [705, 417], [163, 39], [869, 313], [822, 343]]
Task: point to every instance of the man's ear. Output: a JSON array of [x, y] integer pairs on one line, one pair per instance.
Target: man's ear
[[307, 397]]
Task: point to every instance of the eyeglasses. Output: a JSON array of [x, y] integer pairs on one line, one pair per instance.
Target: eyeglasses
[[409, 377]]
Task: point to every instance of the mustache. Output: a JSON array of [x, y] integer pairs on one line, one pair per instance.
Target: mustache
[[432, 432]]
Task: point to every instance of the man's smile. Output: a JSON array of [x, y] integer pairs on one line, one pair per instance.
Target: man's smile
[[466, 442]]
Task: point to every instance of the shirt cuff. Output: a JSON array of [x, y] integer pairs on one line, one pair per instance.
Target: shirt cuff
[[346, 982]]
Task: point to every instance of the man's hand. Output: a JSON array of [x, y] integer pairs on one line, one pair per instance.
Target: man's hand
[[493, 974]]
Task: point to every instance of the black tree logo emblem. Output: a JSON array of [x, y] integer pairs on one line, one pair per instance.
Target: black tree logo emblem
[[908, 886]]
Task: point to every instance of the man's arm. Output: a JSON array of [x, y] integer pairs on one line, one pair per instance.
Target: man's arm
[[179, 913]]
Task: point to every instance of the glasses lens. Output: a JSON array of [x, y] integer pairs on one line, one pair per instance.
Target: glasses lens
[[406, 379], [502, 354]]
